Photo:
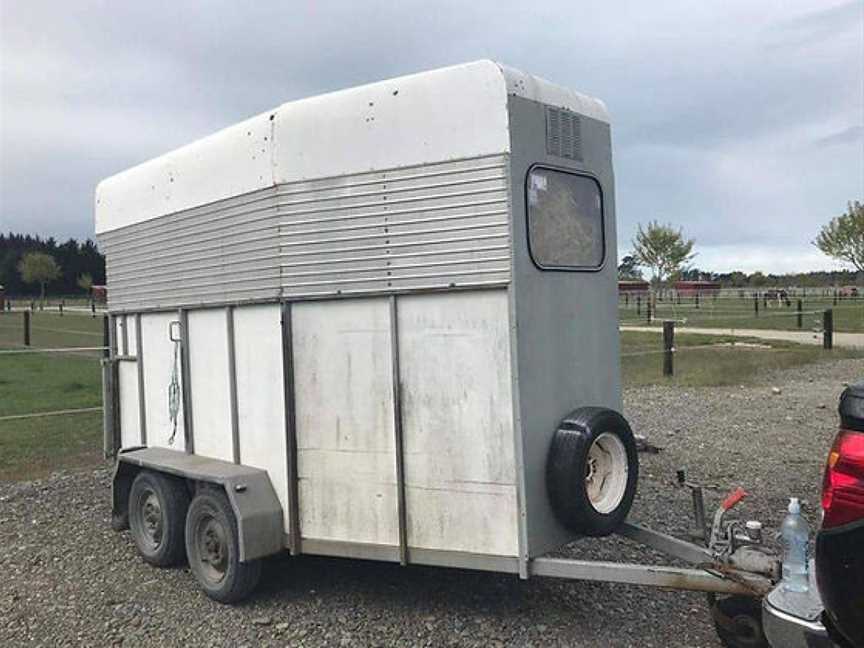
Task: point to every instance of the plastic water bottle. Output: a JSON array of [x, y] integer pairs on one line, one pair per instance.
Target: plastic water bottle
[[796, 538]]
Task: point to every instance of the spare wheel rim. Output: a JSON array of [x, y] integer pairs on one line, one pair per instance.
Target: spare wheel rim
[[606, 472]]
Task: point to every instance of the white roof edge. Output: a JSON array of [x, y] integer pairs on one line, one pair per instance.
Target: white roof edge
[[295, 140], [538, 89]]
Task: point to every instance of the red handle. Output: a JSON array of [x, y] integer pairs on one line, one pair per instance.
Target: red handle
[[733, 498]]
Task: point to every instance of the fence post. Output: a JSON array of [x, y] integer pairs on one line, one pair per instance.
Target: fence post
[[756, 303], [93, 308], [638, 304], [648, 310], [668, 347], [828, 329], [26, 328], [106, 337], [60, 306], [800, 322], [835, 297]]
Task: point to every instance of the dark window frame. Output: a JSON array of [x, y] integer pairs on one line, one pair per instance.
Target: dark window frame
[[572, 172]]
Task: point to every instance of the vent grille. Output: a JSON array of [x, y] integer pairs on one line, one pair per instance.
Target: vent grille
[[563, 133]]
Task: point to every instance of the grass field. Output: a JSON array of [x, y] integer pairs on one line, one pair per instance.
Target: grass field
[[32, 447], [707, 360], [731, 312], [50, 330]]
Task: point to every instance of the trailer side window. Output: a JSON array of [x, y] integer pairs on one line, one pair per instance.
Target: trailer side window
[[565, 220]]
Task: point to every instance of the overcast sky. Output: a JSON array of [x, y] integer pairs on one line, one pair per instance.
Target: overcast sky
[[740, 121]]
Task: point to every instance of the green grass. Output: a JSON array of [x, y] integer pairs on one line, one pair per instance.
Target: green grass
[[30, 383], [33, 448], [51, 330], [43, 382], [721, 365], [730, 312]]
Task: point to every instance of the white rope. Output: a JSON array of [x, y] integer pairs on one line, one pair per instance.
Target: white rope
[[174, 392], [60, 350], [14, 417]]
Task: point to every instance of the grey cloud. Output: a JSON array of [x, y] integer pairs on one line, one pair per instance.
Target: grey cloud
[[722, 112], [852, 136]]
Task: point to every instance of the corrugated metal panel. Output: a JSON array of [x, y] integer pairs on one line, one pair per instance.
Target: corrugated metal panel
[[432, 226]]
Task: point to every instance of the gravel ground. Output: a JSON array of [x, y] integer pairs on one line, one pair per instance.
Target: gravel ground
[[67, 579]]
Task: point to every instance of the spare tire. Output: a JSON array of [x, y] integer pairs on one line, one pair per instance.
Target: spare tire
[[591, 471]]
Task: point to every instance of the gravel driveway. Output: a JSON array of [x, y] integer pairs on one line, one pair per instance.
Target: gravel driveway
[[67, 579]]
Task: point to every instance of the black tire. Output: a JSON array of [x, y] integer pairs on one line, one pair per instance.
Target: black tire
[[586, 436], [213, 547], [157, 517], [738, 621]]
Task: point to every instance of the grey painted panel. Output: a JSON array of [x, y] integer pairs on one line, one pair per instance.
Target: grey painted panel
[[437, 225], [565, 321]]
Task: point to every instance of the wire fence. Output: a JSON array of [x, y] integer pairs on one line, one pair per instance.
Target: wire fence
[[756, 310]]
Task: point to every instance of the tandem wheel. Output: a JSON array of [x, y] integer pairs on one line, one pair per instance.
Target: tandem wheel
[[157, 516], [213, 548], [167, 528]]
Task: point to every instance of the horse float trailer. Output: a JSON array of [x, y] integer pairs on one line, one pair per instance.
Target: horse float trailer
[[379, 323]]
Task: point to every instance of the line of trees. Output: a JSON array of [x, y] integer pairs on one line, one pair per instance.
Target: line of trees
[[666, 253], [29, 265]]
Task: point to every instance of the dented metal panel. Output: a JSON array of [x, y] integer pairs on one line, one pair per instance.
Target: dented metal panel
[[344, 419], [460, 471]]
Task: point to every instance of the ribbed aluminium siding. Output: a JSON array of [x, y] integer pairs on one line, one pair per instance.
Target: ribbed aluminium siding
[[433, 226]]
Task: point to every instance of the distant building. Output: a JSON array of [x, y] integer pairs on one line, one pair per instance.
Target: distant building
[[632, 286], [99, 294], [692, 288]]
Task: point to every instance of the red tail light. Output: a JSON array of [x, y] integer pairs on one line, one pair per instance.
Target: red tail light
[[843, 485]]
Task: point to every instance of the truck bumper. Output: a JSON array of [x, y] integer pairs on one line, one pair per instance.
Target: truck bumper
[[793, 619]]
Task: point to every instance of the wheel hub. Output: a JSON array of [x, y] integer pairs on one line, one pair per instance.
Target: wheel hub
[[213, 548], [606, 472], [151, 516]]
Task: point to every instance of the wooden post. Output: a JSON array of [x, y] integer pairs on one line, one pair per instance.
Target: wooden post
[[648, 310], [60, 307], [697, 299], [828, 329], [668, 347], [756, 303], [800, 321], [93, 308], [638, 304], [26, 328]]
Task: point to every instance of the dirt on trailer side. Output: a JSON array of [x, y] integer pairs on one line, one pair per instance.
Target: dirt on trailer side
[[70, 580]]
